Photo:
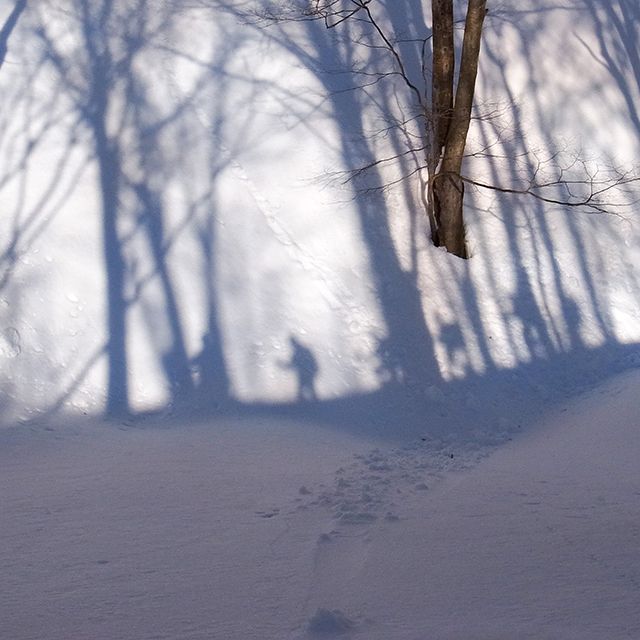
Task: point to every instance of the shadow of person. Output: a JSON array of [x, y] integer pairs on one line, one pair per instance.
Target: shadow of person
[[305, 366]]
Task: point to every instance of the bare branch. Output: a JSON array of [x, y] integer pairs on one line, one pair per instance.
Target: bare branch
[[591, 200]]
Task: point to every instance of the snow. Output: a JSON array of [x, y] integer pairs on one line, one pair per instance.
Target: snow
[[336, 430], [277, 529], [540, 540]]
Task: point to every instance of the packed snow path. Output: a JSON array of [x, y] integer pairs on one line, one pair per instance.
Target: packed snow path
[[258, 530]]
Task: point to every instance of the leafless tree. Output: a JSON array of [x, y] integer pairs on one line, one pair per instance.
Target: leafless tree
[[445, 118], [443, 104]]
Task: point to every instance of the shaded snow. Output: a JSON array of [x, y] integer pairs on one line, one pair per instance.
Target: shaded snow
[[203, 531]]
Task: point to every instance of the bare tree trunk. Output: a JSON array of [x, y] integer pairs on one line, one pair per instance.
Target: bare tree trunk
[[442, 83], [448, 196], [448, 188], [442, 74], [457, 137], [448, 117]]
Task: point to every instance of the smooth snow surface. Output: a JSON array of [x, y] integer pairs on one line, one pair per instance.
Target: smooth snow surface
[[256, 530]]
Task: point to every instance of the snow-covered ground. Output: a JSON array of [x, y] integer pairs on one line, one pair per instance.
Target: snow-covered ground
[[320, 425], [260, 529]]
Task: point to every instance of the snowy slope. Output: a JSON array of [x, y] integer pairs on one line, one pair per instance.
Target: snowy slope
[[542, 540], [262, 530], [321, 425], [233, 238]]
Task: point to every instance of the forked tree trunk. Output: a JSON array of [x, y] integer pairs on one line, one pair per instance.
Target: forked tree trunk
[[447, 186]]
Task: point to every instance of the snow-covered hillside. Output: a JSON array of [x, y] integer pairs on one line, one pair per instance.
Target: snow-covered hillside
[[226, 237], [269, 528], [318, 423]]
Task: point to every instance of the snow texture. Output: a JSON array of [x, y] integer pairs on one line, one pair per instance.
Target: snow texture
[[241, 398]]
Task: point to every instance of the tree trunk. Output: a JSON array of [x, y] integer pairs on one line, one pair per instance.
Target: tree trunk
[[457, 136], [448, 195], [442, 74], [448, 187]]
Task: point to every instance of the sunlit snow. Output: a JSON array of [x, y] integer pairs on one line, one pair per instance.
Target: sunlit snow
[[271, 409]]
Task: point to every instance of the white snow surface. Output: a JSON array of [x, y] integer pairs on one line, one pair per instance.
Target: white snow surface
[[323, 426], [259, 529]]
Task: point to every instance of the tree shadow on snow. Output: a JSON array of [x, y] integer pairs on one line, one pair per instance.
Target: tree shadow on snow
[[165, 131]]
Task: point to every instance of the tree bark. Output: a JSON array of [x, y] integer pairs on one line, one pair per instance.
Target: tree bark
[[442, 74], [448, 196], [457, 135]]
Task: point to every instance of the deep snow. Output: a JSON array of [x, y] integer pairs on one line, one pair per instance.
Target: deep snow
[[334, 429], [258, 529]]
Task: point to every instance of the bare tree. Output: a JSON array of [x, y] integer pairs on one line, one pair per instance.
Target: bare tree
[[442, 102], [445, 122]]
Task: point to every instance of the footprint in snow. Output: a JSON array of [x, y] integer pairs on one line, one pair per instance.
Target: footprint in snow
[[372, 484], [329, 623]]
